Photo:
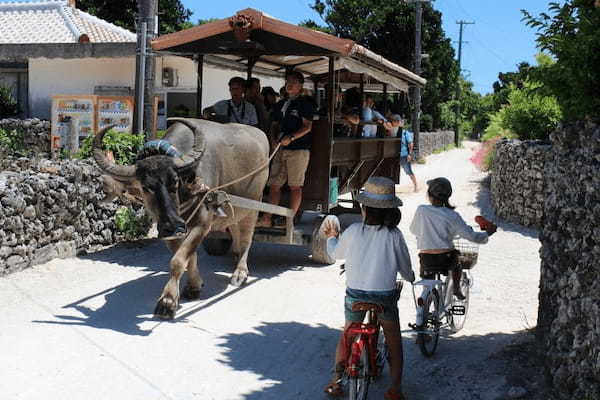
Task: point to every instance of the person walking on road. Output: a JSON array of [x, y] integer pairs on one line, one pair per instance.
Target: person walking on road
[[375, 252], [406, 150]]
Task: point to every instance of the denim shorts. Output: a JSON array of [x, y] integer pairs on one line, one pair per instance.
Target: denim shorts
[[388, 300], [405, 164]]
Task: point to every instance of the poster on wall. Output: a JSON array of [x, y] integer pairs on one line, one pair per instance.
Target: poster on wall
[[116, 110], [72, 112]]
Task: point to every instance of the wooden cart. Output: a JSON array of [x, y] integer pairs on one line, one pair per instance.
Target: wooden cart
[[256, 42]]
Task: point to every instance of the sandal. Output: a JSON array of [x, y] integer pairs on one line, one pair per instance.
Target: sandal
[[334, 389], [393, 394]]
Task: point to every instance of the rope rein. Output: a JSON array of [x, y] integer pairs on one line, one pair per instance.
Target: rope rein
[[265, 164]]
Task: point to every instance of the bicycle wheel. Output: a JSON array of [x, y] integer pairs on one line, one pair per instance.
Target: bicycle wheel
[[383, 354], [457, 312], [359, 384], [430, 335]]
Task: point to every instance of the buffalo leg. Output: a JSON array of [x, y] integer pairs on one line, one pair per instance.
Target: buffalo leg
[[191, 291], [169, 299], [234, 230], [246, 229]]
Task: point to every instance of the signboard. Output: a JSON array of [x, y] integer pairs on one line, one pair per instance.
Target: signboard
[[116, 110], [78, 112], [87, 114]]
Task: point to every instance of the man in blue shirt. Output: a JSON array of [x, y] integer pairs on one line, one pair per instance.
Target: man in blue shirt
[[406, 149]]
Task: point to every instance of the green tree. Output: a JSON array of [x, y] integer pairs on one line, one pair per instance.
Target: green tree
[[530, 114], [8, 105], [172, 15], [569, 32], [387, 28]]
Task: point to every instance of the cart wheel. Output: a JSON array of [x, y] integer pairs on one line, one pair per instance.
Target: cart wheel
[[318, 244], [217, 243]]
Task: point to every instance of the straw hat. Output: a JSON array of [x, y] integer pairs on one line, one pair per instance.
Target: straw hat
[[379, 192]]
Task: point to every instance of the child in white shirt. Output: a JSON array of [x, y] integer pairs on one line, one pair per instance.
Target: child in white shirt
[[375, 251]]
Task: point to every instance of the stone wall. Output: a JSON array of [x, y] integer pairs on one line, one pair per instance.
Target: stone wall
[[51, 209], [518, 182], [36, 133], [569, 313], [431, 141]]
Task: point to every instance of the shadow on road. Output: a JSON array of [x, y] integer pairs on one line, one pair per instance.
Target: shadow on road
[[483, 201], [127, 305], [294, 360]]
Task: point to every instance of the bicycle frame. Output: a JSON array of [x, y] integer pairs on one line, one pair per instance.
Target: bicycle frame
[[361, 335], [428, 286]]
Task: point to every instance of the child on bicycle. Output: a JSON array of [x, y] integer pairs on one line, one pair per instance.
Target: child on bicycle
[[435, 226], [375, 251]]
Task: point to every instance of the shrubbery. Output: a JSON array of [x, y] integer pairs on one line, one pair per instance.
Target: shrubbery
[[124, 146], [8, 105], [132, 224], [11, 141]]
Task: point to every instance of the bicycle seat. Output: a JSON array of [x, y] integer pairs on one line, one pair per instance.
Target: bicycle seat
[[362, 306]]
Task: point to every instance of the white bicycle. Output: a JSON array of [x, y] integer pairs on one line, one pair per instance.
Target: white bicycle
[[437, 307]]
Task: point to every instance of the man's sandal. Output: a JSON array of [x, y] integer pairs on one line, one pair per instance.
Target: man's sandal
[[334, 389], [392, 394]]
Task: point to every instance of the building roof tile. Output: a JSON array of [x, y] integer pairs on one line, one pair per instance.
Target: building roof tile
[[54, 21]]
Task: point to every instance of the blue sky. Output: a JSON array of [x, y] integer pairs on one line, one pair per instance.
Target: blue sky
[[497, 42]]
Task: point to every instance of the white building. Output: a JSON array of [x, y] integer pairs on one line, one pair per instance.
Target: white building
[[51, 48]]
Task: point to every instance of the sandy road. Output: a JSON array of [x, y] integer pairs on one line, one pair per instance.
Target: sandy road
[[82, 328]]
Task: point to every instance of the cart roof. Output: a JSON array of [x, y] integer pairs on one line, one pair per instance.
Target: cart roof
[[280, 46]]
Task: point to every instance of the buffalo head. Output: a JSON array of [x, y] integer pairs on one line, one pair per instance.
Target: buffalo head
[[157, 174]]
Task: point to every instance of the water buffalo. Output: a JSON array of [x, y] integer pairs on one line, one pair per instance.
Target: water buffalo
[[193, 156]]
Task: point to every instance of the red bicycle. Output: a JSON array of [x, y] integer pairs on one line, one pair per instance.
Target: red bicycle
[[366, 350]]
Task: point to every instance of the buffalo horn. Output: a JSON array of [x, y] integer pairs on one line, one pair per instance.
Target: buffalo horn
[[197, 151], [120, 172]]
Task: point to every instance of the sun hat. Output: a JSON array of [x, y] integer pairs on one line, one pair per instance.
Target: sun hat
[[440, 188], [379, 192]]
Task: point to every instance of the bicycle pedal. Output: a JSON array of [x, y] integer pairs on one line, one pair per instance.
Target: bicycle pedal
[[458, 310]]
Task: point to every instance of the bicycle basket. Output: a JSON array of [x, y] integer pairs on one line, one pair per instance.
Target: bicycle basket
[[468, 253]]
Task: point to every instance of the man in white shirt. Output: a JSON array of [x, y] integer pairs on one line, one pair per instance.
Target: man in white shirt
[[236, 109]]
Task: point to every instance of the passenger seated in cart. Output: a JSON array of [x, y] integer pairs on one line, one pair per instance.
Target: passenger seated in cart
[[394, 127], [347, 112], [292, 117], [375, 252], [236, 109], [254, 97], [371, 118]]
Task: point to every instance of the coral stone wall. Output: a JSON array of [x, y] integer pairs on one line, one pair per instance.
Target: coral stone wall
[[569, 313], [519, 182], [556, 188], [431, 141], [36, 133], [51, 210]]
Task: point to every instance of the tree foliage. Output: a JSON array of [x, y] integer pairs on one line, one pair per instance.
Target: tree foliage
[[569, 32], [8, 105], [387, 28], [172, 15]]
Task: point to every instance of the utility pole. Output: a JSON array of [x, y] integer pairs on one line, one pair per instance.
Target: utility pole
[[147, 30], [460, 42], [416, 125]]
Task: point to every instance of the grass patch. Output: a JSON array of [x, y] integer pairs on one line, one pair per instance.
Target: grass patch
[[445, 148]]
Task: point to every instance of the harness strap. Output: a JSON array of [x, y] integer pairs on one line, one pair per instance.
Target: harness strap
[[265, 164]]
